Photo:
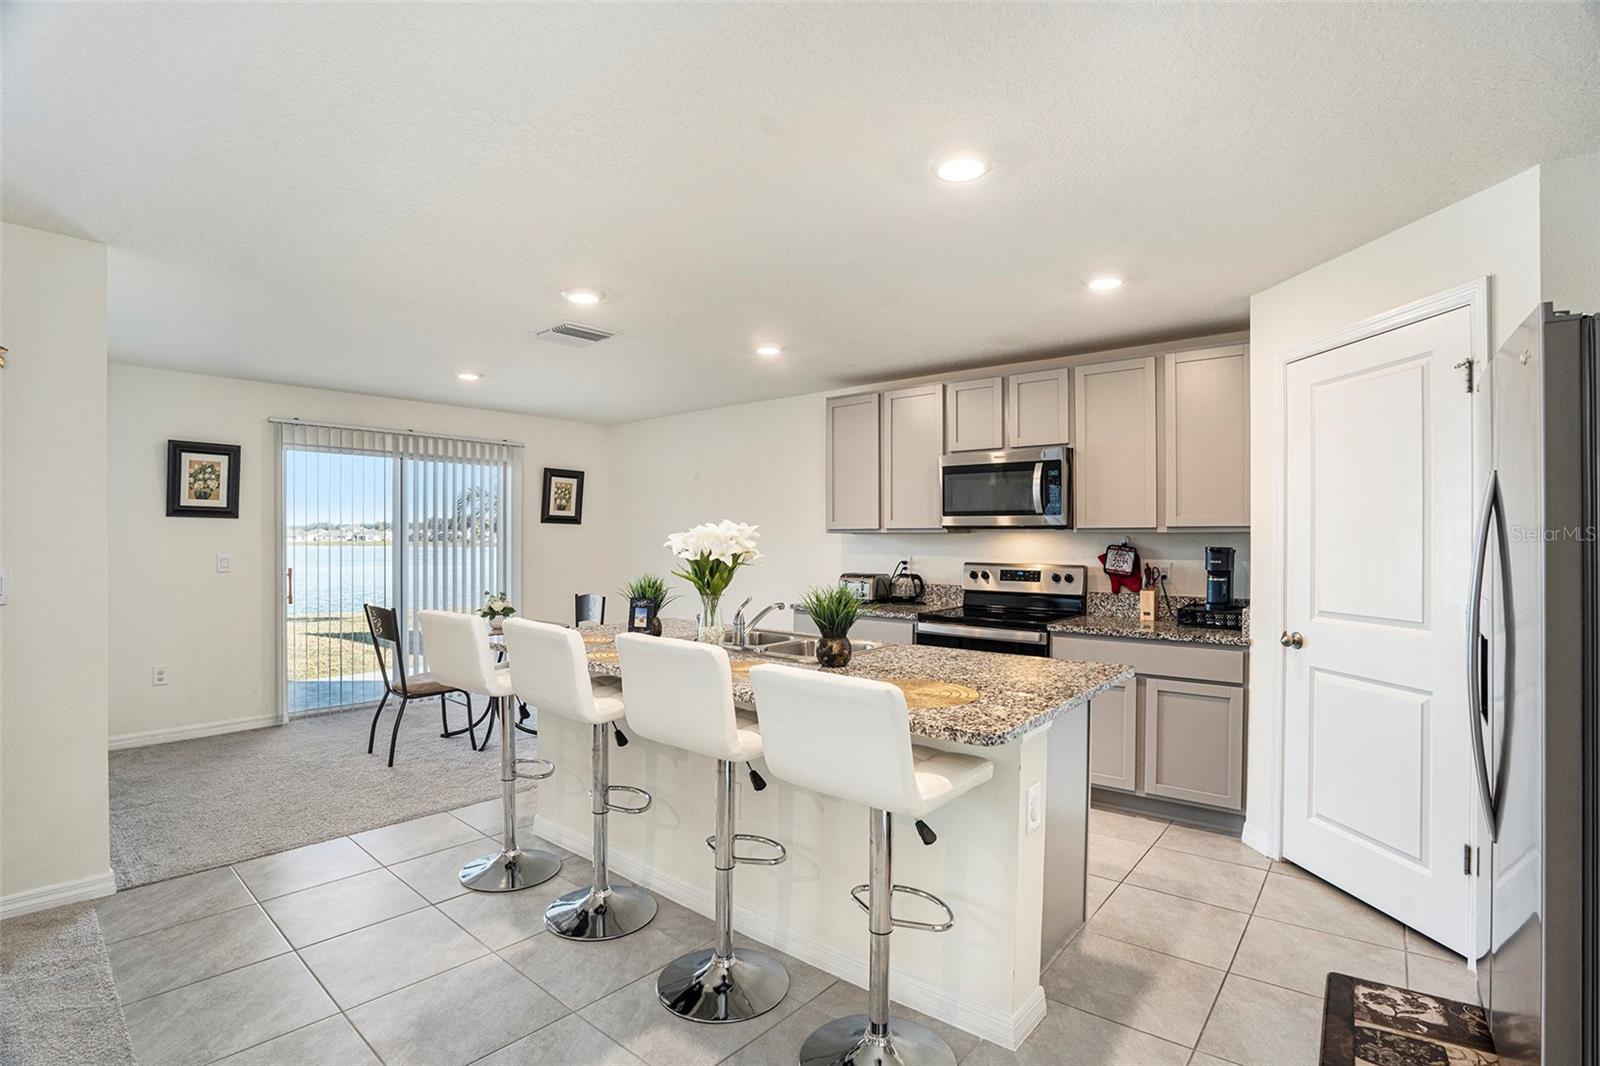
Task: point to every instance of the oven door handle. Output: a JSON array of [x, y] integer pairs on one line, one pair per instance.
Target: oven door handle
[[1038, 487], [1008, 636]]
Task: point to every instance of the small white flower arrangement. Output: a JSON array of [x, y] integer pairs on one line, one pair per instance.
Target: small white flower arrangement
[[496, 606], [712, 554]]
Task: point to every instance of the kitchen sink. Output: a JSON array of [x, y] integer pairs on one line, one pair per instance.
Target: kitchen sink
[[804, 649], [761, 638]]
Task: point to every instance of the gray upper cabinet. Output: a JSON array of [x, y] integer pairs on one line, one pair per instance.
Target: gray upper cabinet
[[973, 415], [853, 444], [1207, 430], [1114, 461], [1038, 406], [913, 440]]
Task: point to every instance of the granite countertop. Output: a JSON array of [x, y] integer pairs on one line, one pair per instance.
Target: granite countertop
[[1016, 693], [934, 598], [1116, 624]]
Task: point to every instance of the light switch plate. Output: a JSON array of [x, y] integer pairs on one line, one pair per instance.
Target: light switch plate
[[1035, 805], [158, 675], [224, 563]]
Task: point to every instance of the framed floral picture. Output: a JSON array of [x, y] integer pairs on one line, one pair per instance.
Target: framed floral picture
[[563, 496], [202, 479]]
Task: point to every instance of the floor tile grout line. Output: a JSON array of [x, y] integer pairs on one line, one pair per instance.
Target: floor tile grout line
[[187, 921], [1227, 973], [1325, 932]]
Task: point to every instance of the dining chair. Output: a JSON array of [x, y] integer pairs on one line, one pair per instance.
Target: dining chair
[[589, 608], [384, 626]]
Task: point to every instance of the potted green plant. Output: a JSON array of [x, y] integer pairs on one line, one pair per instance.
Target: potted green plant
[[651, 588], [833, 611]]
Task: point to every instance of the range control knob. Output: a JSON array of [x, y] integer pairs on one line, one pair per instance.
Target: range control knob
[[973, 574], [1056, 578], [1071, 578], [986, 575]]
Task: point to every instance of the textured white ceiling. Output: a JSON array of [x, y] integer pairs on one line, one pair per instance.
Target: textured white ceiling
[[375, 196]]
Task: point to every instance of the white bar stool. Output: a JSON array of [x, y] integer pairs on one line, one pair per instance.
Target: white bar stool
[[680, 693], [550, 670], [804, 714], [459, 654]]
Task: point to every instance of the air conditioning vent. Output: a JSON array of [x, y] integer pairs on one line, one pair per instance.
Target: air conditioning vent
[[574, 335]]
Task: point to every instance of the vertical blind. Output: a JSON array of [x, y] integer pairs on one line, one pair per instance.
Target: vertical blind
[[390, 517]]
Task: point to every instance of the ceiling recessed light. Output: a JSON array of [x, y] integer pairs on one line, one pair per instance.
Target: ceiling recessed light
[[1105, 284], [959, 168], [768, 351], [583, 296], [468, 375]]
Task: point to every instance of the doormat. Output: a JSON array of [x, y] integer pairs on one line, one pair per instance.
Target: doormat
[[1365, 1023]]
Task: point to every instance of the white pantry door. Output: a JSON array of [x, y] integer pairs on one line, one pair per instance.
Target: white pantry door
[[1378, 517]]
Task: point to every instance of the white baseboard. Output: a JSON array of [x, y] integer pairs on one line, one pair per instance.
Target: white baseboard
[[209, 729], [1256, 837], [40, 899], [1008, 1030]]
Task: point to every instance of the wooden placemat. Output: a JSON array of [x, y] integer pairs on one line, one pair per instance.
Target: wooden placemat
[[924, 694], [598, 638], [740, 667], [609, 656]]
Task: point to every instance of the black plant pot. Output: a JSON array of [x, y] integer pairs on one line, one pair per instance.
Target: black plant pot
[[834, 651], [655, 626]]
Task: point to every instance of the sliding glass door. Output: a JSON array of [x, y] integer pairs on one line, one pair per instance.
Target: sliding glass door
[[394, 519]]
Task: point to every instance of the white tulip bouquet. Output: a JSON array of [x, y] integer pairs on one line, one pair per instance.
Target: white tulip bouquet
[[712, 554]]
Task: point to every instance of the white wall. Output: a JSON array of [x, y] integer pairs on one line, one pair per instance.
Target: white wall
[[1569, 216], [214, 632], [1493, 233], [763, 463], [54, 807]]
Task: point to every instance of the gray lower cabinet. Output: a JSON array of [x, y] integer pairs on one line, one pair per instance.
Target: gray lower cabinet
[[1194, 742], [1114, 738], [1177, 730]]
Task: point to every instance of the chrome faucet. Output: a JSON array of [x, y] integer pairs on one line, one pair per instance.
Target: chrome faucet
[[741, 628]]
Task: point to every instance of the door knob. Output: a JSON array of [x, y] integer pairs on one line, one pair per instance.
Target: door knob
[[1292, 640]]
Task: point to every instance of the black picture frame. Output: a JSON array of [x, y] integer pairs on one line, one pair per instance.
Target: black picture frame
[[182, 469], [642, 616], [566, 510]]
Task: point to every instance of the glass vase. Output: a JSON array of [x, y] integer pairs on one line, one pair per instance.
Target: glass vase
[[710, 631]]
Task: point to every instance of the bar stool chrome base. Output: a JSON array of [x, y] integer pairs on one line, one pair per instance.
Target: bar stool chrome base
[[704, 987], [507, 871], [589, 915], [846, 1042]]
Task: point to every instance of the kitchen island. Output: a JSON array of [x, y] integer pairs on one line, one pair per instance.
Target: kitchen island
[[1010, 856]]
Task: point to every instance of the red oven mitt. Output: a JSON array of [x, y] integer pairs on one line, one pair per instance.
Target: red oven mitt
[[1126, 555]]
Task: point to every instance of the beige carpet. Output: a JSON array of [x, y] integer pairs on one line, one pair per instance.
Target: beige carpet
[[197, 804], [57, 1003]]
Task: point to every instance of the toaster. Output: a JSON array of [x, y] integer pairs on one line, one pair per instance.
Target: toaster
[[868, 587]]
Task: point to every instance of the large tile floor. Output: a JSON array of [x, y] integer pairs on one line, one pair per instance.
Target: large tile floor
[[366, 949]]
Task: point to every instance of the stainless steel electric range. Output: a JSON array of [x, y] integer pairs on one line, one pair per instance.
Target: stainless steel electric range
[[1007, 607]]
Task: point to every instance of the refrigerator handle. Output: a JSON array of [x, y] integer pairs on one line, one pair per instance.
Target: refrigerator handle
[[1475, 660]]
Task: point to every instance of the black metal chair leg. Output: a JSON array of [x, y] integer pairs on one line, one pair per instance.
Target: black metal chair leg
[[372, 734], [444, 723], [488, 730], [468, 728], [398, 715], [472, 736]]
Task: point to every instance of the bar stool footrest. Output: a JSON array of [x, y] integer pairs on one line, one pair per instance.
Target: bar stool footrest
[[549, 769], [754, 860], [857, 892], [622, 808]]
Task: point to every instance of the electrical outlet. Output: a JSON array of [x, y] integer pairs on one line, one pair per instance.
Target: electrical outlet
[[158, 675], [1164, 570], [1035, 805], [224, 564]]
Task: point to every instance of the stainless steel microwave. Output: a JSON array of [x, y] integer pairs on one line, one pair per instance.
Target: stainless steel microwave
[[1020, 487]]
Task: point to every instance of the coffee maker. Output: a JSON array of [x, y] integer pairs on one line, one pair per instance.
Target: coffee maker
[[1221, 610]]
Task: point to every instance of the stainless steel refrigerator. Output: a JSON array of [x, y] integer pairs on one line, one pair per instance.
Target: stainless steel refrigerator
[[1533, 663]]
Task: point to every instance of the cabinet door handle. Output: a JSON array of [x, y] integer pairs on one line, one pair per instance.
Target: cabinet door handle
[[1292, 640], [291, 584]]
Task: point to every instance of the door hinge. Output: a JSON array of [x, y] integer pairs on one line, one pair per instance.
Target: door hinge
[[1466, 859], [1467, 365]]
